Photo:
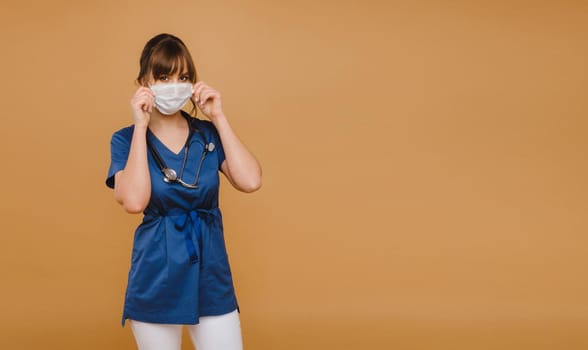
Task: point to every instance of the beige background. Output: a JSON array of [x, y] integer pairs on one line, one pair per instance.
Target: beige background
[[425, 169]]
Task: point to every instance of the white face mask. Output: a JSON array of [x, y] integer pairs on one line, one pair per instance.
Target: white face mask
[[171, 97]]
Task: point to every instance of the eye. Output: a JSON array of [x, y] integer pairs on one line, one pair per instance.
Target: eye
[[184, 78], [163, 78]]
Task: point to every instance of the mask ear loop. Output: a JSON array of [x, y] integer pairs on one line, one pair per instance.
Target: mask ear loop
[[195, 107]]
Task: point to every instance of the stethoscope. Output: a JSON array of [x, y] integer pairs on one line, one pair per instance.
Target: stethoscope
[[169, 174]]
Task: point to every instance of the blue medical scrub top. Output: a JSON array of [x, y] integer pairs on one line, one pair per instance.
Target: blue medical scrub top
[[179, 265]]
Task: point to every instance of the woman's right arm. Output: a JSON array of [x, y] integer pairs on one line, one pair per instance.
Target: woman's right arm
[[132, 185]]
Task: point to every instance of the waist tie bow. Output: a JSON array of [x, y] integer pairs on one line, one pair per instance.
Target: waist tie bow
[[181, 219]]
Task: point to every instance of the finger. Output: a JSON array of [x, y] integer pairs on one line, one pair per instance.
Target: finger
[[205, 92], [150, 102], [198, 94], [202, 95], [199, 84], [143, 90], [148, 92], [144, 103], [198, 88], [209, 94], [142, 96], [137, 103]]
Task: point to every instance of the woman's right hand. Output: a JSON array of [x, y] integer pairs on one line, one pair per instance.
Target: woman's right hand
[[142, 105]]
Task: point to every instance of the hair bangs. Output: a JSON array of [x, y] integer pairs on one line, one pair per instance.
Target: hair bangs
[[169, 58]]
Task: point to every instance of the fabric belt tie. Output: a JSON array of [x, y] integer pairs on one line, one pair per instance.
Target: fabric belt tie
[[195, 217], [180, 223]]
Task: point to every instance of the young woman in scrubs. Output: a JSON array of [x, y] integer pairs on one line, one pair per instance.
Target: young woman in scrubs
[[166, 166]]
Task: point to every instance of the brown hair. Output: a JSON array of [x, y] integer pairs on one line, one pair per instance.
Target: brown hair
[[165, 54]]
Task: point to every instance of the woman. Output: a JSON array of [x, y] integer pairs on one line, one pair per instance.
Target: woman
[[166, 165]]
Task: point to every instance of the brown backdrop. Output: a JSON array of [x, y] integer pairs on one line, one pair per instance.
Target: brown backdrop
[[424, 169]]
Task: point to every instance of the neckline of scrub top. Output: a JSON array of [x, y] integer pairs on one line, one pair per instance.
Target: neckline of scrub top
[[180, 152]]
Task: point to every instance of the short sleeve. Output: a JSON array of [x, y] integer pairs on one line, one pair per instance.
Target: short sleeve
[[119, 153], [218, 146]]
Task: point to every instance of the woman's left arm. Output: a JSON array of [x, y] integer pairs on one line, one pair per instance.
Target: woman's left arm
[[240, 166]]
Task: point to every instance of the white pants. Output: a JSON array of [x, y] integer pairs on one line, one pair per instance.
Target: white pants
[[212, 333]]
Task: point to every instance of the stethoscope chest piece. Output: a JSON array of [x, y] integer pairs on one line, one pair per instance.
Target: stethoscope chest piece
[[169, 175]]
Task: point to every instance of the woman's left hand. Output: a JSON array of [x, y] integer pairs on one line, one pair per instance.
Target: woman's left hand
[[208, 100]]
